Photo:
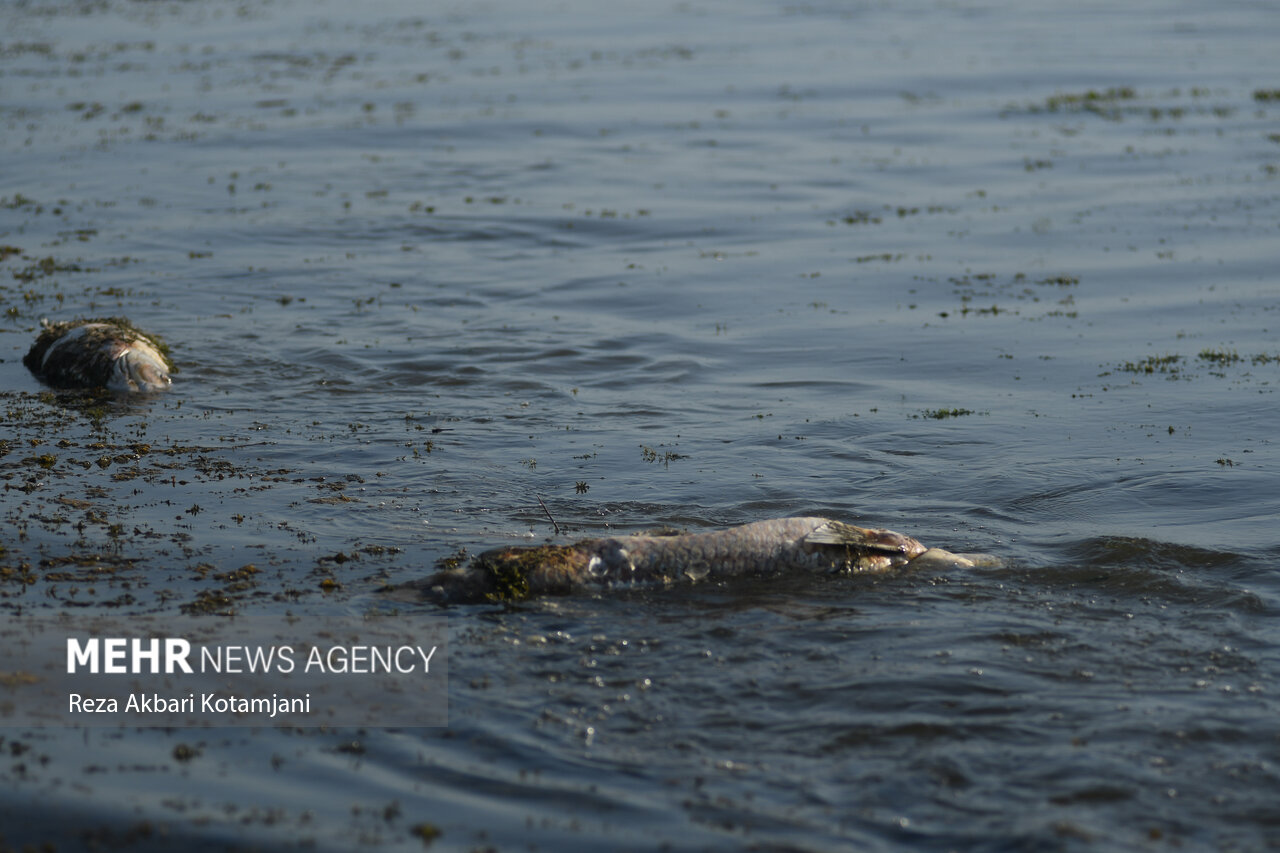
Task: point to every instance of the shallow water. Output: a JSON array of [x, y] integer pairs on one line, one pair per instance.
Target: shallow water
[[1001, 278]]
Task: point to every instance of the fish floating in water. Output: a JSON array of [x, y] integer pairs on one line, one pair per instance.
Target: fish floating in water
[[100, 353], [762, 547]]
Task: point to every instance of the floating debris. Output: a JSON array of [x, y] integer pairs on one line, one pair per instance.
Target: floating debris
[[108, 352]]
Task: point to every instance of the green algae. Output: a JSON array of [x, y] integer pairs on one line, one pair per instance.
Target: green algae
[[943, 414], [509, 571], [1153, 364]]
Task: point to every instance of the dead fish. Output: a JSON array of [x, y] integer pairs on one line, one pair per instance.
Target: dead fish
[[762, 547], [107, 353]]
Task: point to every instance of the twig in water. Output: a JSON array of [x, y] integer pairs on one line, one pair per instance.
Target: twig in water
[[555, 526]]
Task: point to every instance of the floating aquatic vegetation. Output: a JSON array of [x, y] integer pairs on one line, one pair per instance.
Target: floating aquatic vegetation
[[1174, 365], [943, 414], [1153, 364]]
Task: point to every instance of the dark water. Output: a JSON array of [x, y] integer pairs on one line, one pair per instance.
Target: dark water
[[1000, 277]]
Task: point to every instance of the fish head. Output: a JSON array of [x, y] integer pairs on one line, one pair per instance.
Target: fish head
[[139, 368], [884, 550], [890, 544], [864, 549], [861, 541]]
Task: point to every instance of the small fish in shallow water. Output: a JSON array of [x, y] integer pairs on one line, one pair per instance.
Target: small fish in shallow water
[[101, 353], [763, 547]]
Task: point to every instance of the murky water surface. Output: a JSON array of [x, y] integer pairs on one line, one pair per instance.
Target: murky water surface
[[1001, 277]]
